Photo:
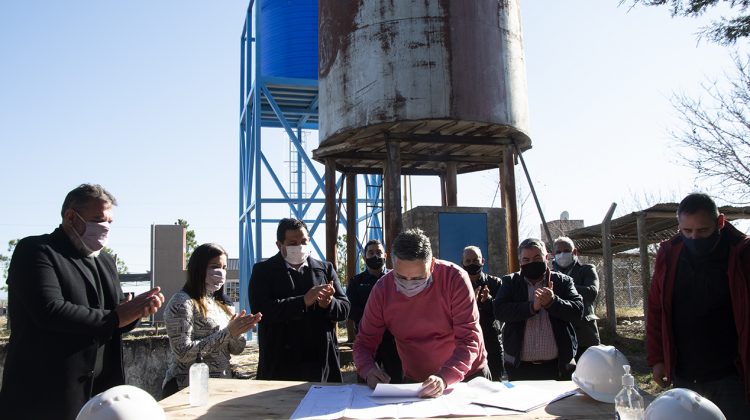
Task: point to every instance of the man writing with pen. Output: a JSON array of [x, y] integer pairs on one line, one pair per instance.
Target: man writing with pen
[[301, 300], [429, 307]]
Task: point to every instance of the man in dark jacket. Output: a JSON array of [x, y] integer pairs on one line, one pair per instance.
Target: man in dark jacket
[[358, 291], [301, 300], [485, 288], [67, 313], [538, 307], [697, 334], [586, 282]]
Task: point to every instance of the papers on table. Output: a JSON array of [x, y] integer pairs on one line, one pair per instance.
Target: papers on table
[[396, 393], [523, 397], [478, 397], [324, 402]]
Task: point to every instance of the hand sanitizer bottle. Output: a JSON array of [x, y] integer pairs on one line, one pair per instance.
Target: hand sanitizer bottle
[[628, 402], [198, 382]]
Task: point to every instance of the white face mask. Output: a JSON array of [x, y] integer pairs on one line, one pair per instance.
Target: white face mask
[[215, 278], [411, 288], [564, 259], [96, 235], [296, 254]]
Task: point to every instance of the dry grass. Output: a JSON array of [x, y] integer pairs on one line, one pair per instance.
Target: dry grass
[[631, 341]]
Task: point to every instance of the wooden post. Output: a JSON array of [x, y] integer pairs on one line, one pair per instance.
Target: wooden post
[[508, 198], [351, 226], [443, 201], [451, 184], [331, 209], [609, 278], [392, 194], [645, 262]]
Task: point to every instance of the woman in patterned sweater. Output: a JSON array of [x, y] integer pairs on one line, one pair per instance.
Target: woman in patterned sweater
[[200, 319]]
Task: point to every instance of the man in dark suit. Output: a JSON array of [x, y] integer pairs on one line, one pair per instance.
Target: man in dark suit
[[485, 289], [586, 282], [538, 307], [67, 312], [301, 300], [358, 291]]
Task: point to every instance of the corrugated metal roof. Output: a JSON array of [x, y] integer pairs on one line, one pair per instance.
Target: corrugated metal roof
[[661, 224]]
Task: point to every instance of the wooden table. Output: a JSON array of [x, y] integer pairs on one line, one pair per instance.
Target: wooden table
[[252, 399]]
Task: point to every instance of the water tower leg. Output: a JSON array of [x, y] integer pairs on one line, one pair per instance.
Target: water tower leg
[[330, 194], [508, 197], [392, 193], [351, 225], [443, 200], [451, 184]]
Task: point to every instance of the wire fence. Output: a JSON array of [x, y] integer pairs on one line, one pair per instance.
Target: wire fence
[[628, 289]]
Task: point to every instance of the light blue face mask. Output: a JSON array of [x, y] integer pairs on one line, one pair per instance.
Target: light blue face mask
[[564, 259], [411, 288]]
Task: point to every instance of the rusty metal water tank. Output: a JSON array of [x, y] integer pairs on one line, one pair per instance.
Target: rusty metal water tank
[[446, 79]]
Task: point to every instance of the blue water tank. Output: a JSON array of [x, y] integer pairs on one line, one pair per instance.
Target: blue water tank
[[289, 36]]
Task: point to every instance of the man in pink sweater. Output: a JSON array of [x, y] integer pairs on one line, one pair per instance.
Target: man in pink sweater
[[428, 306]]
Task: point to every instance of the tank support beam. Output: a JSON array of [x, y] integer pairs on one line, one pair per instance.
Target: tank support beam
[[451, 184], [392, 193], [351, 225], [508, 197], [330, 194]]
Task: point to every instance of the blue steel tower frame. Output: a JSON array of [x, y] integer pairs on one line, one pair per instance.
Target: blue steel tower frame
[[292, 105]]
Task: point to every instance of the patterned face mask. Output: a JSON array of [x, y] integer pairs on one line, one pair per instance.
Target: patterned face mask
[[215, 278]]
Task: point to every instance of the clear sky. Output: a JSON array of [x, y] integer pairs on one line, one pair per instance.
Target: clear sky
[[142, 97]]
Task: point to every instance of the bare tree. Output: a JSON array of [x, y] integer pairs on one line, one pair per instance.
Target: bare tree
[[715, 137]]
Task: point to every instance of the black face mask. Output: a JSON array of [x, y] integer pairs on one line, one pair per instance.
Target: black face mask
[[533, 270], [375, 263], [701, 247], [473, 269]]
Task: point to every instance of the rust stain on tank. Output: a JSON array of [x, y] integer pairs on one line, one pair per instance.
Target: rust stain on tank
[[437, 66], [386, 35], [336, 24]]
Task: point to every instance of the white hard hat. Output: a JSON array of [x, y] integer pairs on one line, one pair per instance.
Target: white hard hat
[[599, 372], [123, 402], [683, 404]]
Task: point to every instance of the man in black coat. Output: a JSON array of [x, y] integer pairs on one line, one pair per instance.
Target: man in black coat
[[67, 312], [301, 300], [586, 282], [358, 291], [538, 307], [486, 288]]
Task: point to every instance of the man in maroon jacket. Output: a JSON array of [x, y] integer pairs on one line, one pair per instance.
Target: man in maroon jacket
[[698, 325]]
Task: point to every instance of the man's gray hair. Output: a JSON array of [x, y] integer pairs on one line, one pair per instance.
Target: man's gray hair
[[412, 245], [474, 249], [84, 194], [532, 243], [564, 240]]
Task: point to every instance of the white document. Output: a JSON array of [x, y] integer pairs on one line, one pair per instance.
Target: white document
[[527, 397], [397, 390], [324, 402]]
